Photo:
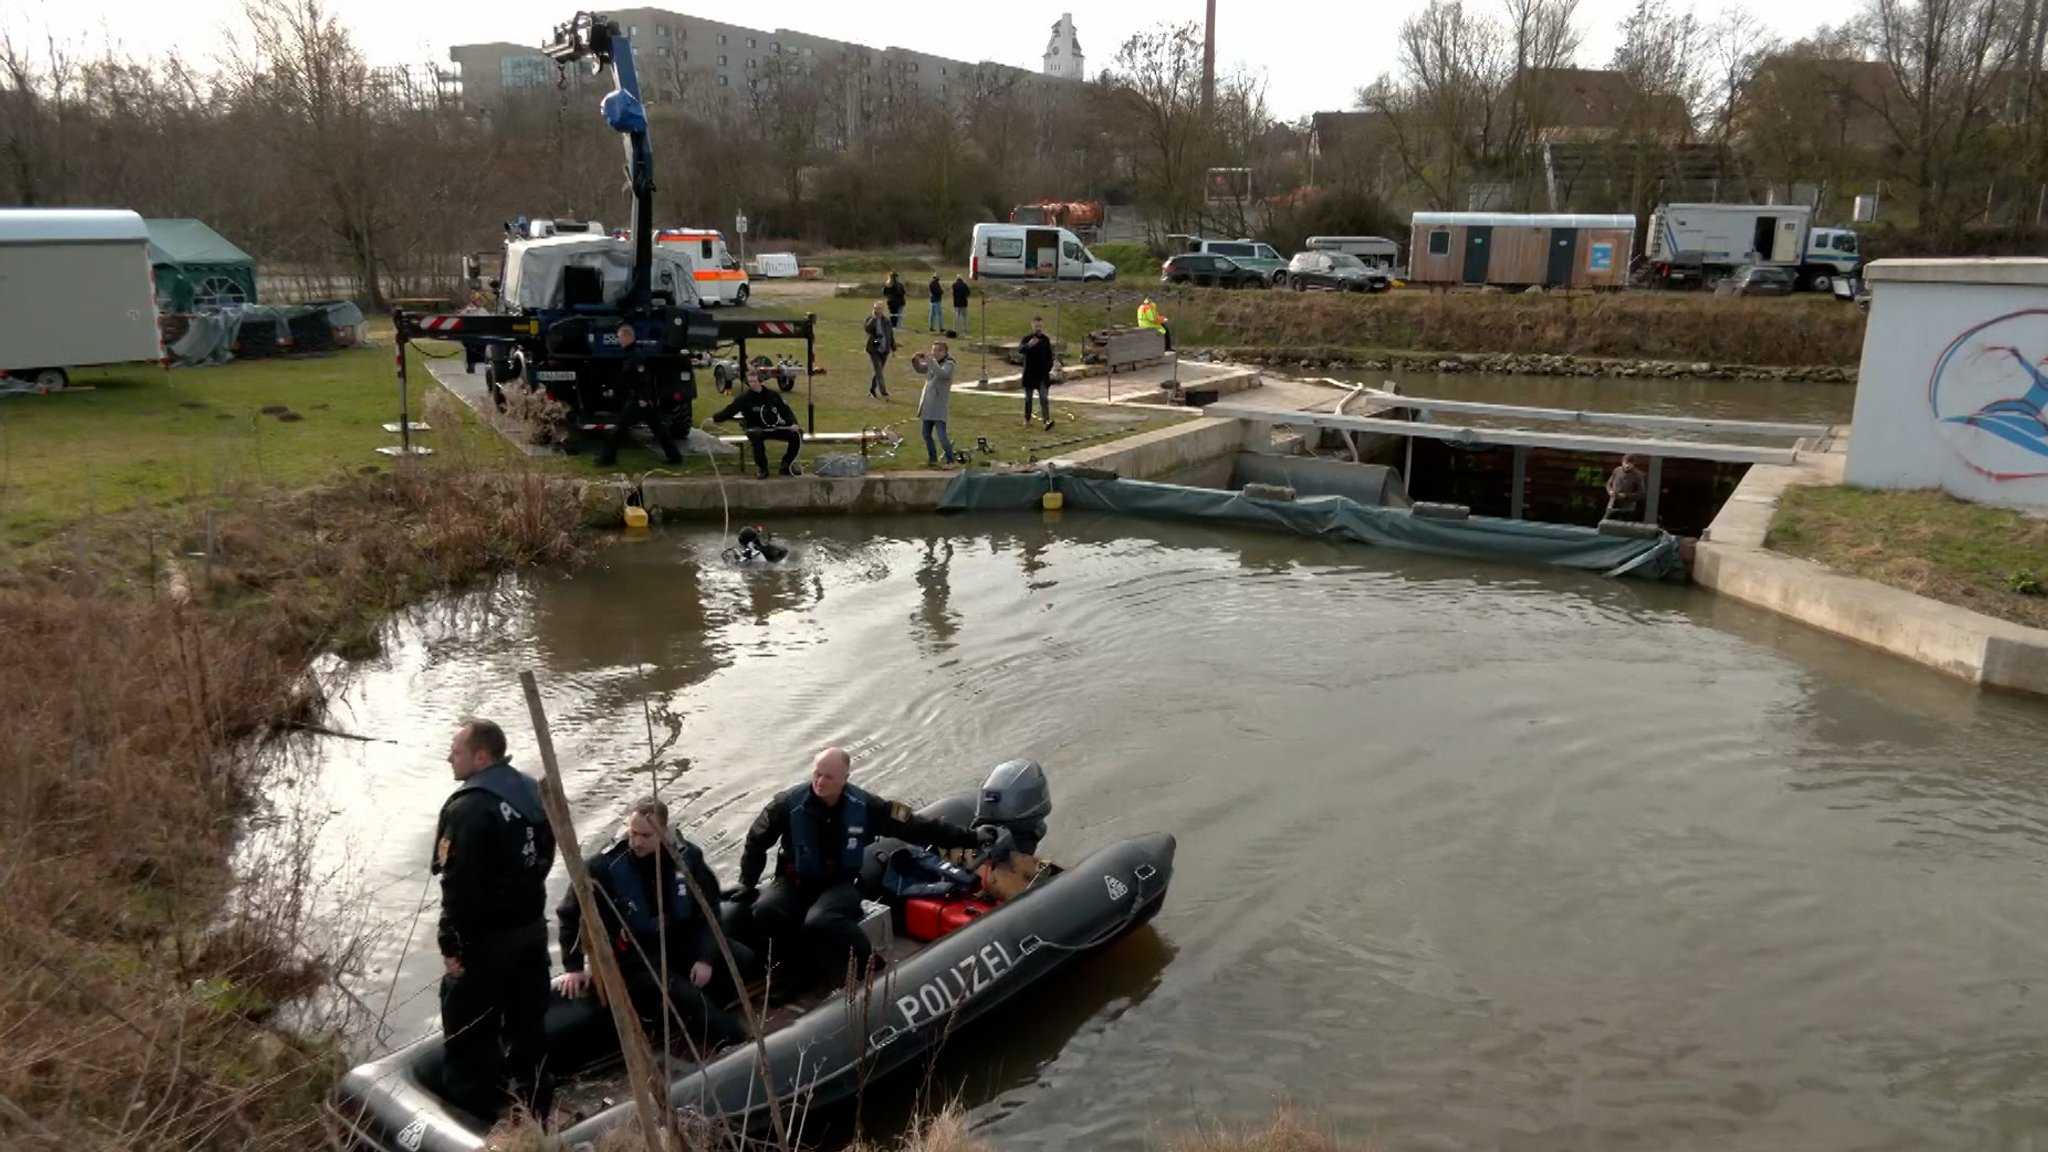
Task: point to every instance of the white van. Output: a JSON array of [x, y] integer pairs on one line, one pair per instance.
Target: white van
[[719, 277], [1032, 252], [76, 289]]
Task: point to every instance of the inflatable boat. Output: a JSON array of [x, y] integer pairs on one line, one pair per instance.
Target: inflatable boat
[[829, 1044]]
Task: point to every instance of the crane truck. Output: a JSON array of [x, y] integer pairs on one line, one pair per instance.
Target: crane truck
[[611, 332]]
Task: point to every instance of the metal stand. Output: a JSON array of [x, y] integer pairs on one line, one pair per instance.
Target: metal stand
[[406, 425]]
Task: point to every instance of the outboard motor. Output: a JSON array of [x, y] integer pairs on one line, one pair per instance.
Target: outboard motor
[[1017, 799]]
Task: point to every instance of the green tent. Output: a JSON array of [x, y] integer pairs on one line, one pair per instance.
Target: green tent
[[196, 268]]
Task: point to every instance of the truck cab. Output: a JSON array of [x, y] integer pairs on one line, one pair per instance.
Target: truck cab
[[1831, 254]]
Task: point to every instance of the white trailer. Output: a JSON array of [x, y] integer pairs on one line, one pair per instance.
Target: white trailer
[[1706, 241], [75, 290]]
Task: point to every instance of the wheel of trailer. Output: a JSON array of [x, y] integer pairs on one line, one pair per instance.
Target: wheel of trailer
[[51, 379], [739, 298]]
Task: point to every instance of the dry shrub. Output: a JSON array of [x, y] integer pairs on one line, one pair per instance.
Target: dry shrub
[[138, 1011], [1628, 326], [944, 1131]]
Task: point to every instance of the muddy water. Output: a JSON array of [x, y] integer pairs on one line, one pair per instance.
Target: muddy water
[[1469, 857]]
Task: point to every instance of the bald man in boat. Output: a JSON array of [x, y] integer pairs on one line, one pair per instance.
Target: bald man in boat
[[823, 828]]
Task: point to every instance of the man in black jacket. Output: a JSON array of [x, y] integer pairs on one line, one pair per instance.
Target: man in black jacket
[[824, 827], [764, 416], [662, 935], [492, 851], [960, 294], [1037, 350]]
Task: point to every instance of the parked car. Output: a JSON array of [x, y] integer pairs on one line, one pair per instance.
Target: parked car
[[1339, 271], [1209, 272], [1247, 253], [1758, 280]]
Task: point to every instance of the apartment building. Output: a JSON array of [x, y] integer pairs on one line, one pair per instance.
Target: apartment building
[[681, 57]]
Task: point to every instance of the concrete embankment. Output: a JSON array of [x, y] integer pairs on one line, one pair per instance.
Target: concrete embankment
[[1195, 452], [1343, 360], [1731, 559]]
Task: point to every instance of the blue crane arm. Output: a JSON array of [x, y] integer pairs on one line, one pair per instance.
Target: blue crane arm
[[595, 37]]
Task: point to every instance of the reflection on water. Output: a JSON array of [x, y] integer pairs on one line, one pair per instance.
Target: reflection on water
[[1470, 856]]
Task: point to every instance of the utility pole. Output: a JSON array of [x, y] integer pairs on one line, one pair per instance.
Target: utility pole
[[1209, 64]]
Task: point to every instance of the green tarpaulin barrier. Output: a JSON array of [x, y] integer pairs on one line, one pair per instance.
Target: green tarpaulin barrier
[[1478, 538]]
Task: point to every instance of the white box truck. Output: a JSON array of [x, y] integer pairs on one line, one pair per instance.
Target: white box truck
[[1703, 242], [75, 290]]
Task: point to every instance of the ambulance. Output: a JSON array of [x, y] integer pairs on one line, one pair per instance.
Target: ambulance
[[719, 277]]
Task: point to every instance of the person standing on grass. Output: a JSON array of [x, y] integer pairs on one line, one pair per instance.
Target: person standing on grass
[[936, 399], [1037, 350], [492, 851], [894, 292], [881, 342], [938, 294], [960, 294]]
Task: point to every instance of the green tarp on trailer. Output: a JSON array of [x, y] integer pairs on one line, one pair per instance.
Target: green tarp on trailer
[[197, 268]]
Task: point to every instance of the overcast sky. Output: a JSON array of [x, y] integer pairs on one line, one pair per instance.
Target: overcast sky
[[1313, 52]]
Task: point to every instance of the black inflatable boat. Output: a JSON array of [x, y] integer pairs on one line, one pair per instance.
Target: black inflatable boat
[[839, 1041]]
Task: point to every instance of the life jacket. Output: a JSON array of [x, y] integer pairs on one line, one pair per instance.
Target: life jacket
[[518, 797], [808, 852], [513, 787], [638, 914]]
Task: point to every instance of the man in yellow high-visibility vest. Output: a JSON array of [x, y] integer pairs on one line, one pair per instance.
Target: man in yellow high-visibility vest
[[1149, 317]]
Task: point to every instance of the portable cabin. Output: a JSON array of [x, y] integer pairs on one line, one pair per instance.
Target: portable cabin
[[75, 290], [1520, 251]]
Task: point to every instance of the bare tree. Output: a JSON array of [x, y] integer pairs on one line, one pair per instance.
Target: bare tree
[[1942, 63], [1737, 43], [305, 66], [1155, 82]]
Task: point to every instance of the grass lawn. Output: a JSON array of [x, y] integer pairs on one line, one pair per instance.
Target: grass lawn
[[1988, 560], [842, 398], [133, 436]]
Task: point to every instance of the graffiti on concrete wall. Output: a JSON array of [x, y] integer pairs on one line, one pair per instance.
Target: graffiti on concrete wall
[[1989, 396]]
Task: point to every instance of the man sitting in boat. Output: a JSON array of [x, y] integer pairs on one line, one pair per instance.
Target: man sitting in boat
[[823, 828], [640, 891]]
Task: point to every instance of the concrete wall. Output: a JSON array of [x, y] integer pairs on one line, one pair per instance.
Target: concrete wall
[[1953, 387], [1731, 559], [1193, 452], [1164, 451]]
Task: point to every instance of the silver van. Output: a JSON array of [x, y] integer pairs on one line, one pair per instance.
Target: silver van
[[1248, 253]]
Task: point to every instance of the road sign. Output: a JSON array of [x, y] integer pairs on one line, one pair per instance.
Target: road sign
[[739, 224]]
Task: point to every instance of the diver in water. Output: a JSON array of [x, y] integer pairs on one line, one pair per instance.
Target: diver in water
[[755, 546]]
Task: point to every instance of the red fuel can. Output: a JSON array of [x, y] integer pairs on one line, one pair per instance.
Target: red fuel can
[[927, 918]]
